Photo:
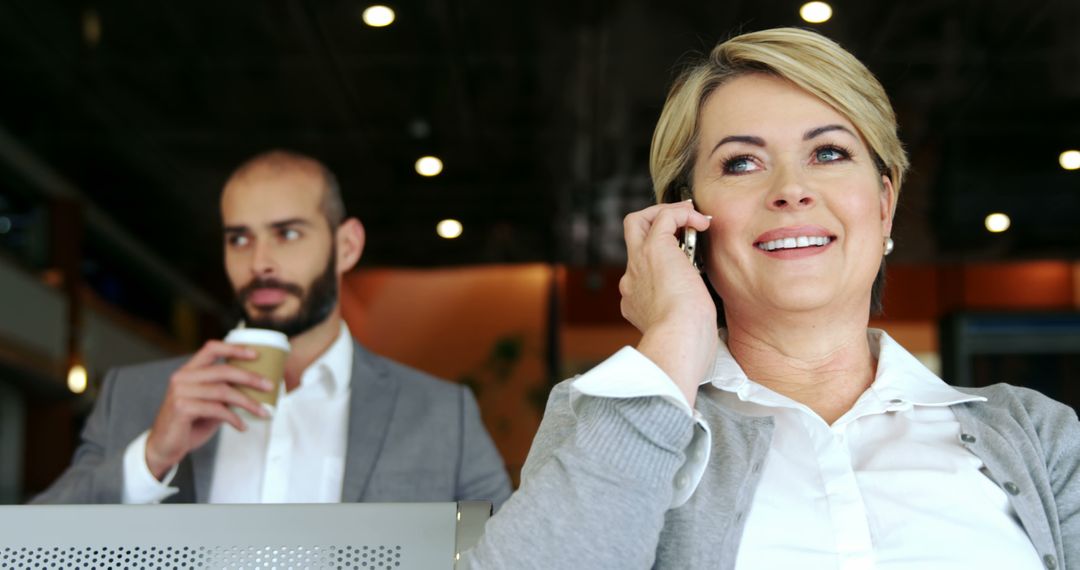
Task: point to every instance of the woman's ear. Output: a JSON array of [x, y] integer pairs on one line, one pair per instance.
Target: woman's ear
[[350, 244], [888, 205]]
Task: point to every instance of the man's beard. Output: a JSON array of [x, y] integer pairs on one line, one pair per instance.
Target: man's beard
[[316, 303]]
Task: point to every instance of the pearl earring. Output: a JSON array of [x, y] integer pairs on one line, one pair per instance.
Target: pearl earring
[[889, 245]]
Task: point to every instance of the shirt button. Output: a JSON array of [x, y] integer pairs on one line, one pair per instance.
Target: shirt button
[[896, 401], [738, 516], [1049, 562], [681, 481], [967, 438], [756, 467], [1011, 488]]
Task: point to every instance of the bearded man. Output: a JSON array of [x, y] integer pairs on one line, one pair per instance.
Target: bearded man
[[349, 426]]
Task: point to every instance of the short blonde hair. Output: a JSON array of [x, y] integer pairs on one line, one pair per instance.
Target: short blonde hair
[[805, 58]]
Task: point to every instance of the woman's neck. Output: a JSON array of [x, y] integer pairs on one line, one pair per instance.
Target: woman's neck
[[823, 364]]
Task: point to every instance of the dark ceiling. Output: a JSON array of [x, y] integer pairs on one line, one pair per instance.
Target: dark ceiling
[[541, 111]]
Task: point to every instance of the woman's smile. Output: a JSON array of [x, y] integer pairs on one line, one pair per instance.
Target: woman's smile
[[795, 242]]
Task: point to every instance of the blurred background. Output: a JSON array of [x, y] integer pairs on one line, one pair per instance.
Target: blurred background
[[491, 149]]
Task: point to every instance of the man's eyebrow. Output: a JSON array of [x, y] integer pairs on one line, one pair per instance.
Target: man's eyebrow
[[748, 139], [821, 130], [289, 222], [280, 224]]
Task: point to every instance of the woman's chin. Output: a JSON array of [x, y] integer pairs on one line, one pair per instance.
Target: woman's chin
[[805, 303]]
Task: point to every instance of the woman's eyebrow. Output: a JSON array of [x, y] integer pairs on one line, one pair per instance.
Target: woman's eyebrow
[[758, 141], [748, 139], [821, 130]]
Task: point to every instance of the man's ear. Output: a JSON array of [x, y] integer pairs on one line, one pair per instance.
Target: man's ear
[[888, 205], [350, 244]]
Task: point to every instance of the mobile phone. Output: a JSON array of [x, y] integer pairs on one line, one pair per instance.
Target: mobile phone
[[689, 246]]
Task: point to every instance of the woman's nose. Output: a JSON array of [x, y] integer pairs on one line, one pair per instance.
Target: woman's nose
[[790, 192], [784, 202]]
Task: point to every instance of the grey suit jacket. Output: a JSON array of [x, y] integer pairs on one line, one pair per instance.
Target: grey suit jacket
[[411, 438]]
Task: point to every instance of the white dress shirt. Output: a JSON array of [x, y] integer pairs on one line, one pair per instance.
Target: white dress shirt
[[296, 456], [886, 486]]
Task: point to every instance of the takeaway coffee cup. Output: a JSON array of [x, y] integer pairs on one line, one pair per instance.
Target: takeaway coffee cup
[[272, 348]]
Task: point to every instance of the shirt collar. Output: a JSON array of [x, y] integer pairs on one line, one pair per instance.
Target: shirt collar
[[900, 378], [333, 368]]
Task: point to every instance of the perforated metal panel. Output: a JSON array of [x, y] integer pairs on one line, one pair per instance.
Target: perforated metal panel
[[366, 536], [224, 557]]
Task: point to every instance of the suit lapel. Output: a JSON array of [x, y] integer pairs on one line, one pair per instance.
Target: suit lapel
[[372, 396]]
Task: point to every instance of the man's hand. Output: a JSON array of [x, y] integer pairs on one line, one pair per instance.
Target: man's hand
[[198, 400]]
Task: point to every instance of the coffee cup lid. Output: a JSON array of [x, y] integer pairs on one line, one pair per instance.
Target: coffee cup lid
[[260, 337]]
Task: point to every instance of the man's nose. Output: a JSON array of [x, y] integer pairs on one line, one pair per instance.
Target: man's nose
[[262, 261]]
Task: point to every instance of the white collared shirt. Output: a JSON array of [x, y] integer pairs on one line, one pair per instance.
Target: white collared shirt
[[887, 486], [296, 456]]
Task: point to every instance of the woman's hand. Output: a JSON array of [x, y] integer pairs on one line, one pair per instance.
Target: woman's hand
[[665, 297]]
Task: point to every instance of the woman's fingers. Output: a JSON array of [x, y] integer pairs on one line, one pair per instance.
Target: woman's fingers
[[668, 221], [660, 221]]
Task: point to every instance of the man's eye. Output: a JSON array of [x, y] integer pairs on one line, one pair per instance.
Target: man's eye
[[289, 234]]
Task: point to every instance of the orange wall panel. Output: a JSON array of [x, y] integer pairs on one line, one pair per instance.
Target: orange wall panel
[[483, 326], [1027, 285]]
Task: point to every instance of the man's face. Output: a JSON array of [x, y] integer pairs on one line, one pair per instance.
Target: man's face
[[279, 249]]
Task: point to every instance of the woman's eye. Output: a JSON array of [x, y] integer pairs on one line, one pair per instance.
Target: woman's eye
[[237, 240], [829, 154], [739, 165]]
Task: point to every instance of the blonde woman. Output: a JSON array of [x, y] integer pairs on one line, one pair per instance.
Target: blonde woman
[[796, 437]]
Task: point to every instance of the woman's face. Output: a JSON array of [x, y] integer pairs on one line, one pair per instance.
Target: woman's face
[[800, 212]]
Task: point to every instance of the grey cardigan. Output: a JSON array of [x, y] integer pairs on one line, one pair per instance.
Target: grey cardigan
[[596, 488]]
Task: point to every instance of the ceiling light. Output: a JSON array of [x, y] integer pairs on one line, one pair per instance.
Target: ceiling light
[[997, 222], [378, 16], [1070, 160], [76, 379], [428, 166], [449, 229], [815, 12], [91, 27]]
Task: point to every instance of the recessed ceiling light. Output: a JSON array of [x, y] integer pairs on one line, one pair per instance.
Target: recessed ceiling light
[[378, 16], [76, 379], [815, 12], [428, 166], [1070, 160], [91, 27], [449, 229], [997, 222]]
